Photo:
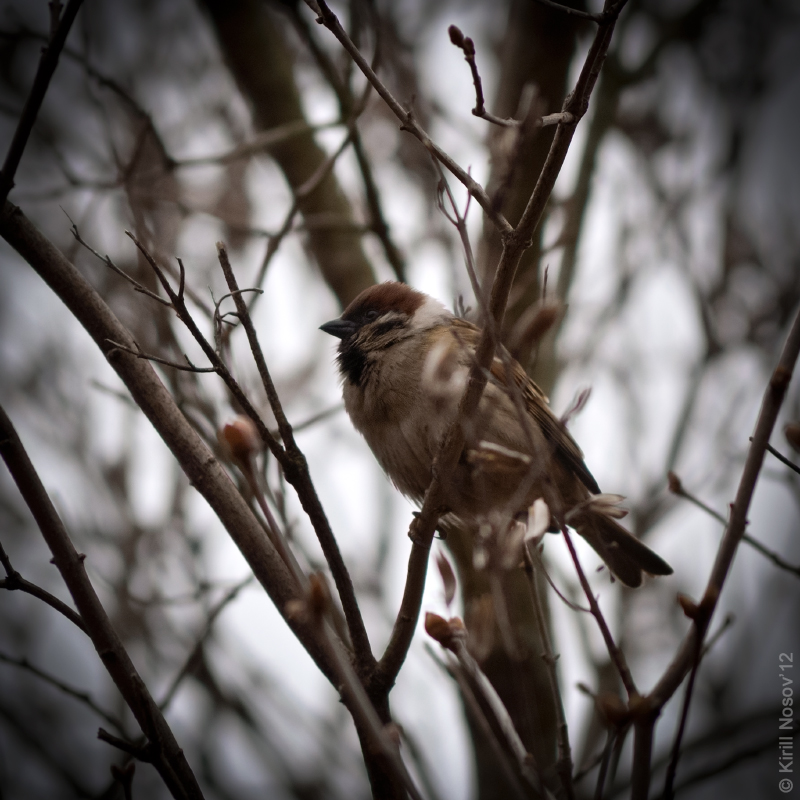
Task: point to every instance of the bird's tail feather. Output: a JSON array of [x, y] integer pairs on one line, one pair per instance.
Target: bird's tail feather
[[622, 552]]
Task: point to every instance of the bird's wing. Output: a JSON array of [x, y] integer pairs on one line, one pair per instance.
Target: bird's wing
[[565, 448]]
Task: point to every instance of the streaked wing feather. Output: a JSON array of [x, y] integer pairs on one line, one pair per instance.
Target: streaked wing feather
[[565, 448]]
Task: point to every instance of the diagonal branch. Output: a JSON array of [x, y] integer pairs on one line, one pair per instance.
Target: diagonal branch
[[71, 691], [204, 471], [15, 582], [734, 534], [168, 757], [44, 73], [515, 242], [406, 117], [296, 470]]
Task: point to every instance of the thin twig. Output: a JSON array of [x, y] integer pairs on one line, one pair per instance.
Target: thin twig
[[141, 752], [564, 763], [303, 191], [782, 458], [455, 642], [188, 367], [78, 694], [44, 73], [261, 142], [467, 46], [564, 599], [683, 661], [617, 656], [734, 759], [676, 487], [112, 266], [352, 689], [203, 470], [298, 475], [574, 12], [15, 582], [605, 762], [315, 418], [476, 711], [344, 94], [515, 242], [211, 354], [406, 117], [196, 651], [672, 768]]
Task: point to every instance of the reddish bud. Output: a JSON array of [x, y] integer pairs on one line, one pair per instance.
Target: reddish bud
[[319, 595], [240, 438], [445, 631], [437, 628], [688, 605]]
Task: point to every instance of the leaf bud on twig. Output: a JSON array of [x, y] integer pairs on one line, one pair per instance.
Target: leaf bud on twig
[[240, 439]]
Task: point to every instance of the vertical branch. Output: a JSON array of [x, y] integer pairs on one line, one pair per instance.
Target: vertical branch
[[564, 764]]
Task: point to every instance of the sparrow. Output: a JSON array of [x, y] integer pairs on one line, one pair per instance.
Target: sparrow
[[404, 361]]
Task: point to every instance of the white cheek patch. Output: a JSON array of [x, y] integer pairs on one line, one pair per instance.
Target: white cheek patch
[[429, 314]]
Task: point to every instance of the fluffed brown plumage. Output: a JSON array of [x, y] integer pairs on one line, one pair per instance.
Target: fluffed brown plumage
[[404, 361]]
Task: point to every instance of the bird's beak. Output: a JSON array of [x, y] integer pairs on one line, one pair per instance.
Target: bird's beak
[[340, 328]]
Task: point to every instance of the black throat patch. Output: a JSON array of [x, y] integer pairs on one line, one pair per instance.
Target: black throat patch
[[352, 361], [357, 352]]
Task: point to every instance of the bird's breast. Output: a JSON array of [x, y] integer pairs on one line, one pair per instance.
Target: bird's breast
[[401, 420]]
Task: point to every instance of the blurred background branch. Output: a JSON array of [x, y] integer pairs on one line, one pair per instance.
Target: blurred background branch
[[669, 246]]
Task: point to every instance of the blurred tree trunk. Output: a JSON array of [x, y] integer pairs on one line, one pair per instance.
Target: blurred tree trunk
[[537, 48], [261, 63]]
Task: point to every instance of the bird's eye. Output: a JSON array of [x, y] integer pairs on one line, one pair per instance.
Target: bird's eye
[[371, 315]]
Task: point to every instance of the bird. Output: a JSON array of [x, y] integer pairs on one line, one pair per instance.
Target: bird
[[404, 361]]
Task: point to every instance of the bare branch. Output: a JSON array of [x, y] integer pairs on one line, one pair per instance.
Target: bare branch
[[574, 12], [406, 117], [451, 634], [515, 242], [44, 73], [614, 652], [782, 458], [78, 694], [683, 661], [188, 367], [204, 471], [676, 487], [296, 468], [168, 757], [14, 581], [564, 763], [112, 266], [196, 651]]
